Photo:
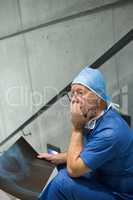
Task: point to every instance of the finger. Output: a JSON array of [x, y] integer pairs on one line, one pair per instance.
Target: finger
[[40, 156], [76, 109], [44, 155]]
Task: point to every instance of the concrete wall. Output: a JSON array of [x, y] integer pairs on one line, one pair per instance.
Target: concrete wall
[[31, 63], [119, 70], [35, 65]]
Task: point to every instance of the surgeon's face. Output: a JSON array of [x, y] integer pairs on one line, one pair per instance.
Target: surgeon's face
[[88, 100]]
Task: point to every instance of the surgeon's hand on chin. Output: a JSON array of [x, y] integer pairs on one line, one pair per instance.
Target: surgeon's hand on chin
[[78, 116]]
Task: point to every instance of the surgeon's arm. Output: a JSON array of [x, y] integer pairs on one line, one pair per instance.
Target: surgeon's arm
[[75, 165]]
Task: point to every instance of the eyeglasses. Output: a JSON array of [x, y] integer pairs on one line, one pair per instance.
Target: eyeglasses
[[90, 100]]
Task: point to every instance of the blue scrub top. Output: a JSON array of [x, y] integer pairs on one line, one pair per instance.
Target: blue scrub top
[[108, 150]]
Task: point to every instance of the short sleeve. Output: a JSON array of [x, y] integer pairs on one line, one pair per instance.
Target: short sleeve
[[99, 149]]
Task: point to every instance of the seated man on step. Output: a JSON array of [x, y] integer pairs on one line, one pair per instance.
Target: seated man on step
[[99, 160]]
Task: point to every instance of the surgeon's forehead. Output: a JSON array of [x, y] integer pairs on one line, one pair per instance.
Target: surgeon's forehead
[[76, 87]]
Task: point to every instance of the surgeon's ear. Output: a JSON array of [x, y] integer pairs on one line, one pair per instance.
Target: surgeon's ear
[[98, 102], [102, 104]]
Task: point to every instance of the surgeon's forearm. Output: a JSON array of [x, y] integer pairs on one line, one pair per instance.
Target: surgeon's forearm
[[63, 157], [59, 158], [75, 147], [75, 165]]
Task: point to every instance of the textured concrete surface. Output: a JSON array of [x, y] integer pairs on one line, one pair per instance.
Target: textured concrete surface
[[43, 61], [9, 17], [42, 11]]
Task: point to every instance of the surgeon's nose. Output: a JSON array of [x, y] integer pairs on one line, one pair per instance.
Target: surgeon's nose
[[75, 99]]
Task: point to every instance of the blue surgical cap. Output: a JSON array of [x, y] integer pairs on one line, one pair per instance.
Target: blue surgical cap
[[93, 80]]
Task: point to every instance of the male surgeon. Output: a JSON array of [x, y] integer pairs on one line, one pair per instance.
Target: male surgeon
[[99, 160]]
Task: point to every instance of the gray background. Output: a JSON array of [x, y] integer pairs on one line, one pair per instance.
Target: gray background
[[43, 45]]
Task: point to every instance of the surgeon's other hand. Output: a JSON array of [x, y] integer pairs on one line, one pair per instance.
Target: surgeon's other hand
[[56, 159]]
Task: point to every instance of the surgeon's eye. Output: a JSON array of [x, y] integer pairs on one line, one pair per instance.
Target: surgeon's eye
[[76, 94], [80, 93]]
